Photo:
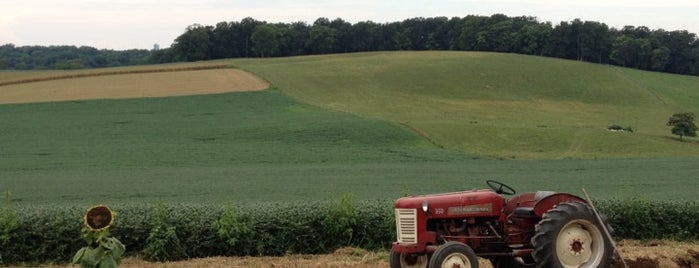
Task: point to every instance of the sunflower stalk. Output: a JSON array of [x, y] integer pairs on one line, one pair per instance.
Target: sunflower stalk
[[101, 250]]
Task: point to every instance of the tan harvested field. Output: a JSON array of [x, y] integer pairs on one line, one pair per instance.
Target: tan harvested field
[[9, 77], [115, 85], [651, 254]]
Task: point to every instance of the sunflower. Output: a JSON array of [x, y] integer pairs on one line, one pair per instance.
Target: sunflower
[[99, 218]]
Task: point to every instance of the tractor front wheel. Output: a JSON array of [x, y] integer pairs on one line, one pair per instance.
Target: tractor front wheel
[[570, 235], [404, 260], [454, 255]]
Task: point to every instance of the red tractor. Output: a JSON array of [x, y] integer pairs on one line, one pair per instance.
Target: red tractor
[[539, 229]]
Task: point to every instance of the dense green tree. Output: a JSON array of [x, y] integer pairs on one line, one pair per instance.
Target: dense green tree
[[683, 124], [582, 40], [594, 42], [296, 36], [497, 35], [445, 35], [629, 51], [162, 56], [418, 31], [637, 46], [321, 39], [343, 36], [536, 39], [564, 41], [194, 44], [394, 37], [266, 39], [682, 45], [223, 41], [659, 58], [364, 37], [7, 56], [245, 30]]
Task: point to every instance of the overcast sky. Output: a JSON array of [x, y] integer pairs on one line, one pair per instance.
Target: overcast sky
[[126, 24]]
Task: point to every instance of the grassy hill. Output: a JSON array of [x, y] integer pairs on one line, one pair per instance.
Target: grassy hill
[[364, 124], [502, 105]]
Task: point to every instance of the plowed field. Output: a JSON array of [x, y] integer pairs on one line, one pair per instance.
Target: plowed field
[[650, 254], [133, 85]]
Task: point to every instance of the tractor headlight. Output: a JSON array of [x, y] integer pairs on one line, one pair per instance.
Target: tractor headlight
[[425, 206]]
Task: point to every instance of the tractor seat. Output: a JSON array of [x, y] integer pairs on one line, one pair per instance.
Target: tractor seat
[[542, 194], [528, 212]]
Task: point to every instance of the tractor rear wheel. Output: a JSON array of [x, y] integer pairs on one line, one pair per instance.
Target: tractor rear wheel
[[454, 255], [405, 260], [570, 235]]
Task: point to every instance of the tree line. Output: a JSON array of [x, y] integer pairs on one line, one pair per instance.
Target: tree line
[[591, 41], [67, 57], [635, 47]]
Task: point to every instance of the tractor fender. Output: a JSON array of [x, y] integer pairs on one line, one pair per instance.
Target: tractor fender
[[551, 201]]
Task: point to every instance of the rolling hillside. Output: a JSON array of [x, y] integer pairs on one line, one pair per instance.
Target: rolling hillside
[[502, 105], [376, 125]]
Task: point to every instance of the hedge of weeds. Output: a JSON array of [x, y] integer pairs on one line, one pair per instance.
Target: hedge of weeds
[[644, 219], [167, 232]]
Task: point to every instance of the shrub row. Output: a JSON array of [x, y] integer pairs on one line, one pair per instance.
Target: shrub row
[[643, 219], [31, 235], [43, 234]]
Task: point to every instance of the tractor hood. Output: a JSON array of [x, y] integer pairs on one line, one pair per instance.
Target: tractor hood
[[475, 203]]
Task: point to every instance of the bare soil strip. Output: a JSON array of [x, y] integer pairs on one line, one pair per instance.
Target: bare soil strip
[[133, 84], [650, 254], [109, 72]]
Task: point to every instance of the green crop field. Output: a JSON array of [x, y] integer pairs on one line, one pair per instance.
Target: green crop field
[[375, 125]]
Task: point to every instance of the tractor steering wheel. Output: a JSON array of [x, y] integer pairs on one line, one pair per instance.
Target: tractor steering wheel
[[500, 188]]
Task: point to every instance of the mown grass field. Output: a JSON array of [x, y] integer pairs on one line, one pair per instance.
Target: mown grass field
[[263, 146], [502, 105], [375, 125]]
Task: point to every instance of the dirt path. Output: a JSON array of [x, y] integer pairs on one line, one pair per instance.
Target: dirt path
[[133, 85], [650, 254]]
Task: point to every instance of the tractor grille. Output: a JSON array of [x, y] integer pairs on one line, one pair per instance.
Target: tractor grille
[[406, 225]]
